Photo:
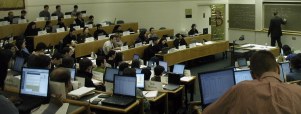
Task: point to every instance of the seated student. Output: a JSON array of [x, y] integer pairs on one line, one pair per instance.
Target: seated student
[[193, 30], [60, 75], [22, 50], [101, 64], [56, 60], [156, 46], [5, 57], [147, 73], [150, 51], [40, 49], [74, 12], [142, 38], [45, 13], [39, 61], [85, 71], [99, 32], [158, 73], [67, 62], [118, 42], [58, 12], [23, 14], [265, 94], [67, 41], [111, 58], [91, 20], [48, 27], [117, 29], [67, 52], [287, 51], [152, 33], [163, 42], [79, 21], [7, 107], [179, 40], [61, 24], [85, 34], [11, 47], [109, 45], [10, 17], [296, 68], [135, 63], [31, 30], [123, 66]]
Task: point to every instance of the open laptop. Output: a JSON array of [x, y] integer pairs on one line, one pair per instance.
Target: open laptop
[[17, 68], [124, 91], [173, 82], [242, 75], [214, 84], [72, 72], [178, 69], [33, 88], [140, 80], [284, 70], [109, 74], [164, 64]]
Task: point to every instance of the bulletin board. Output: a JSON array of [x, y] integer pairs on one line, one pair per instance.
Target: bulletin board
[[12, 4]]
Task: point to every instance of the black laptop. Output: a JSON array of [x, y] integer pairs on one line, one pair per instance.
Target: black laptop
[[17, 68], [124, 91], [33, 88], [173, 82], [214, 84]]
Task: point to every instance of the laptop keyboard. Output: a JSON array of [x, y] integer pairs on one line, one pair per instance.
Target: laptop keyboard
[[121, 98]]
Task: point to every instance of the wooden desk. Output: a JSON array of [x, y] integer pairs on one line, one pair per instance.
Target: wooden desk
[[159, 103], [19, 29], [196, 52], [54, 38], [174, 99]]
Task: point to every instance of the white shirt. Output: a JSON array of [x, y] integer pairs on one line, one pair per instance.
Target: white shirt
[[107, 46]]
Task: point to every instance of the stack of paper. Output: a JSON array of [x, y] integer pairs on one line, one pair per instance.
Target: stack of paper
[[186, 78], [150, 94], [81, 92]]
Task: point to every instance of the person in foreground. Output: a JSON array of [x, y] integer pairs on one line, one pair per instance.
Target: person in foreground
[[265, 94]]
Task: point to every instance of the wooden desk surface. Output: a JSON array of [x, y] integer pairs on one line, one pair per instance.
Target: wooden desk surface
[[196, 52], [181, 88], [55, 38], [19, 29]]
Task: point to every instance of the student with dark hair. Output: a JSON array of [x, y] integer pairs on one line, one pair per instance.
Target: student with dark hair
[[85, 34], [23, 14], [56, 60], [10, 17], [265, 94], [123, 66], [45, 13], [22, 50], [85, 71], [58, 12], [75, 8], [5, 57], [67, 62], [296, 68], [152, 33], [142, 38], [179, 40], [48, 27], [117, 29], [111, 58], [101, 64], [39, 61], [67, 52], [163, 43], [129, 72], [158, 73], [151, 50], [99, 32], [193, 30], [109, 45], [31, 30], [147, 73], [67, 41], [135, 63], [118, 59], [11, 47], [40, 49], [61, 24], [79, 21], [91, 20]]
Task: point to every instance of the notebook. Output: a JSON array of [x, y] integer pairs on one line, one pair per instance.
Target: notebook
[[109, 74], [242, 75], [124, 91], [214, 84], [33, 88]]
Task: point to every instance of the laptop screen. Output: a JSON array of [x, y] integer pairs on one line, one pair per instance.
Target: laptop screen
[[164, 64], [72, 72], [242, 76], [214, 84], [34, 82], [178, 69], [136, 57], [242, 62], [140, 80], [138, 70], [125, 85], [284, 70], [19, 62], [109, 74]]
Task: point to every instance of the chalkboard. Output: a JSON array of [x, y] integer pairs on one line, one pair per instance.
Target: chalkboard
[[291, 12], [12, 4], [242, 16]]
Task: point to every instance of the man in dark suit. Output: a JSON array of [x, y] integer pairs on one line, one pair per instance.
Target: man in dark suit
[[275, 29]]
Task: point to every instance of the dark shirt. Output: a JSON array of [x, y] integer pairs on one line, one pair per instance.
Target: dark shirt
[[112, 63], [117, 31], [156, 78], [142, 39], [67, 40], [82, 38], [294, 75], [88, 78], [31, 32], [23, 17], [59, 14], [99, 33], [45, 14], [80, 22], [275, 27], [177, 42], [48, 29], [9, 19], [7, 107], [193, 32], [61, 25]]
